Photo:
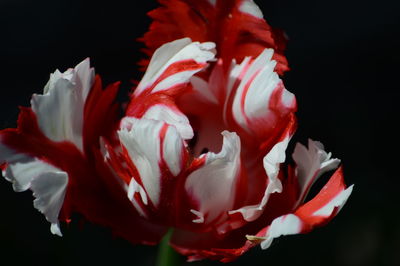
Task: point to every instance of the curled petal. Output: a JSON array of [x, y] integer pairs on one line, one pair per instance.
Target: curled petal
[[174, 63], [49, 190], [168, 74], [213, 185], [60, 109], [311, 164], [47, 183], [260, 100], [272, 162], [171, 115], [318, 211]]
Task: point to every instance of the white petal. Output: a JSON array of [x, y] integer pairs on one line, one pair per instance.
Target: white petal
[[172, 150], [213, 185], [173, 52], [311, 164], [55, 229], [47, 182], [49, 190], [133, 188], [249, 7], [272, 161], [60, 109], [10, 155], [171, 116], [21, 174], [288, 224], [200, 217]]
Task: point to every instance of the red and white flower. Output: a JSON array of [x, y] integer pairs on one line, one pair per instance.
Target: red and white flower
[[201, 147]]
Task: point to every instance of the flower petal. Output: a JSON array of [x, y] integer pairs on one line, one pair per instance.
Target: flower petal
[[60, 109], [171, 115], [236, 26], [271, 162], [47, 183], [212, 186], [251, 8], [318, 211], [311, 164], [168, 74], [149, 143], [260, 100], [174, 63]]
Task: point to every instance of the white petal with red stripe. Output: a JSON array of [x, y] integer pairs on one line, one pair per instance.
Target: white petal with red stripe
[[253, 96], [60, 109], [171, 115], [321, 209], [170, 55], [149, 143], [213, 184]]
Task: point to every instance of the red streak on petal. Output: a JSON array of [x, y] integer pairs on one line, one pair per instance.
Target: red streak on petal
[[334, 186], [244, 95]]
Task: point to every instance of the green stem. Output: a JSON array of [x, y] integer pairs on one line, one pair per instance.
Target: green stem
[[167, 256]]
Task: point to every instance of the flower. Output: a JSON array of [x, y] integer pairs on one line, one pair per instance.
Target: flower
[[214, 70]]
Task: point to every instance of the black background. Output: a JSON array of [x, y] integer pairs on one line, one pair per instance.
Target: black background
[[344, 58]]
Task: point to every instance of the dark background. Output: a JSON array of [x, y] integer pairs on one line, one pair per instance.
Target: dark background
[[344, 58]]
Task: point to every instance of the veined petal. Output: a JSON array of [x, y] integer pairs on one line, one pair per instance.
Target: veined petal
[[47, 183], [213, 185], [311, 164], [60, 109], [149, 144]]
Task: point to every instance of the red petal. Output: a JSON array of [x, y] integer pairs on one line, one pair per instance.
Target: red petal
[[236, 33]]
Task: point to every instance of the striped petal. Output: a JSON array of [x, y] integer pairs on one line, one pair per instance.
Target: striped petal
[[154, 149], [174, 63], [260, 100], [318, 211], [167, 76], [213, 185], [41, 154]]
